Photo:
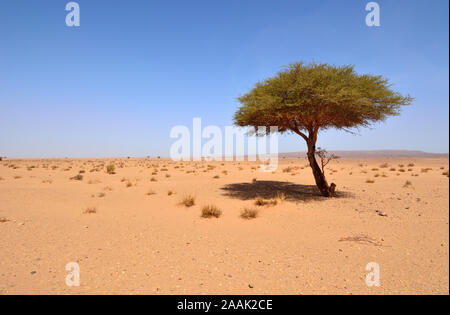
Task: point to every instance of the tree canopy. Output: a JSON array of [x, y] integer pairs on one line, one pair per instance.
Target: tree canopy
[[310, 97]]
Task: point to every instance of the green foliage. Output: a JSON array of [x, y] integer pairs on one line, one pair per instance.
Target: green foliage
[[313, 97]]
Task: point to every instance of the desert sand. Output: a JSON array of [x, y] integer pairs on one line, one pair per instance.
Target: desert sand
[[139, 239]]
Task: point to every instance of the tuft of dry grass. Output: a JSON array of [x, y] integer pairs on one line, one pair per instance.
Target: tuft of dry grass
[[169, 193], [407, 184], [47, 181], [110, 169], [188, 201], [370, 181], [3, 220], [446, 174], [129, 184], [249, 213], [216, 177], [153, 179], [101, 195], [90, 210], [17, 177], [264, 202], [426, 170], [77, 177], [151, 193], [384, 165], [211, 211]]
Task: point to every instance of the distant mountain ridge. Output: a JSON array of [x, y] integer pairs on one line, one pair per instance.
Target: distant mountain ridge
[[373, 154]]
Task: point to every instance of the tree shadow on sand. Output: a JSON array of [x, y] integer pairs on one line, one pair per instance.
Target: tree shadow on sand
[[272, 189]]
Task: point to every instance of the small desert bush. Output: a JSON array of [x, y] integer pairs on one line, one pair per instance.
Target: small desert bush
[[167, 175], [153, 179], [249, 213], [90, 210], [263, 202], [47, 181], [129, 184], [426, 170], [370, 181], [101, 195], [211, 211], [216, 177], [411, 165], [110, 169], [384, 165], [169, 193], [77, 177], [408, 184], [446, 174], [17, 177], [188, 201], [287, 169], [151, 193]]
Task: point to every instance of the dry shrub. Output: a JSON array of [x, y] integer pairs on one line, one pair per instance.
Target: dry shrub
[[263, 202], [151, 192], [188, 201], [90, 210], [3, 220], [77, 177], [249, 213], [153, 179], [370, 181], [169, 193], [110, 169], [211, 211], [384, 165], [408, 184]]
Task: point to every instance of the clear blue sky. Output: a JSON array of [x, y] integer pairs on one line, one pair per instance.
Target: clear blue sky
[[134, 69]]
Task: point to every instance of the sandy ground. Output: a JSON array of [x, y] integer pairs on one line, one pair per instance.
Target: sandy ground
[[137, 243]]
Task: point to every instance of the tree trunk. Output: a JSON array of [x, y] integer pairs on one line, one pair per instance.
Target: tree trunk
[[321, 181]]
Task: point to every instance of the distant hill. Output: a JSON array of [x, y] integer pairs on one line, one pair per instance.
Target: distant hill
[[373, 154]]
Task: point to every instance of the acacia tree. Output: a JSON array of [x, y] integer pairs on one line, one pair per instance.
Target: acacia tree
[[308, 98]]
